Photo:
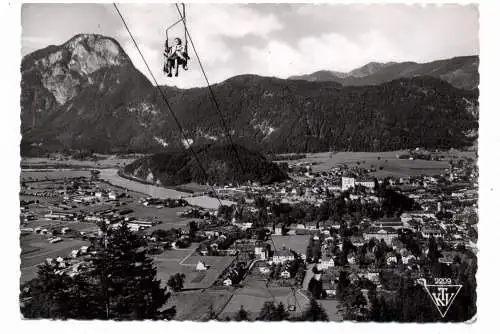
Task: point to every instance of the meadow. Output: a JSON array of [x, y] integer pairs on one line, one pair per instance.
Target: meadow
[[52, 174], [195, 305], [385, 163], [104, 161], [253, 298], [297, 243], [184, 261]]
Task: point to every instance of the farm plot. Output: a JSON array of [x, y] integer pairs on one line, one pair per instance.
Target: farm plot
[[165, 215], [385, 163], [183, 261], [252, 300], [297, 243], [195, 305], [55, 174]]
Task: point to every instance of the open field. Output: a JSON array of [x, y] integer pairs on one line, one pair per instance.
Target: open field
[[392, 166], [78, 226], [297, 243], [169, 225], [193, 187], [35, 249], [195, 305], [52, 174], [252, 299], [184, 261], [330, 306], [104, 161], [207, 202], [166, 215]]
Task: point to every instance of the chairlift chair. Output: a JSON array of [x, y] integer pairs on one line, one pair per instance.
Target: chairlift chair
[[181, 62]]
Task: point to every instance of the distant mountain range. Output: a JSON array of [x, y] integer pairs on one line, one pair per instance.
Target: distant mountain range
[[461, 72], [86, 94]]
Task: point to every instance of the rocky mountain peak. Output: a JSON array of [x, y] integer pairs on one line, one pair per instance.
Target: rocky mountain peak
[[63, 70]]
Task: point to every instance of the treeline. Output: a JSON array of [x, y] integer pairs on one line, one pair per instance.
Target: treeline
[[285, 157]]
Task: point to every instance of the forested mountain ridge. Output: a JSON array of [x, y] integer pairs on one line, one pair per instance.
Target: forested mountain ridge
[[221, 165], [86, 94], [300, 116]]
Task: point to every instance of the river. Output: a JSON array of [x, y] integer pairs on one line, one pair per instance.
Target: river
[[111, 176]]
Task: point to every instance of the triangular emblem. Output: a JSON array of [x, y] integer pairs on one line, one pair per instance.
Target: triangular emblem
[[442, 295]]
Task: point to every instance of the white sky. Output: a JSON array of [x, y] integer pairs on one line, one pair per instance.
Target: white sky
[[272, 40]]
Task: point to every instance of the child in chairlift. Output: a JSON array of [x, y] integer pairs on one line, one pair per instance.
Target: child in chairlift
[[175, 55]]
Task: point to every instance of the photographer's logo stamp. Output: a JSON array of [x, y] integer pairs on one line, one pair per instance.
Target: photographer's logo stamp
[[442, 293]]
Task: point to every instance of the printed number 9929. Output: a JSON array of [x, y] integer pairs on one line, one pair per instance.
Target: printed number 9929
[[441, 280]]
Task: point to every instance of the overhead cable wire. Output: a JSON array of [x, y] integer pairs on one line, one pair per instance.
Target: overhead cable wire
[[212, 94], [162, 94]]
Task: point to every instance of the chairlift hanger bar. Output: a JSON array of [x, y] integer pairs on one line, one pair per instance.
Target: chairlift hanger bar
[[182, 19], [170, 27]]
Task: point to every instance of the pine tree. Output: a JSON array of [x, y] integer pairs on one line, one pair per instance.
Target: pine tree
[[46, 295], [281, 312], [242, 315], [211, 313], [309, 253], [267, 311], [315, 312], [119, 282], [271, 312]]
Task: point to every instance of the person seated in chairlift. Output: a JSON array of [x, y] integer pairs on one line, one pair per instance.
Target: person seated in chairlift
[[175, 55]]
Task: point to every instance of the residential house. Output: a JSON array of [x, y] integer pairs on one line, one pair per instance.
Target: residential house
[[372, 276], [261, 252], [367, 183], [282, 256], [446, 260], [200, 266], [351, 258], [326, 262], [285, 274], [264, 270], [357, 241], [329, 287], [278, 230], [74, 253], [348, 182], [391, 258]]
